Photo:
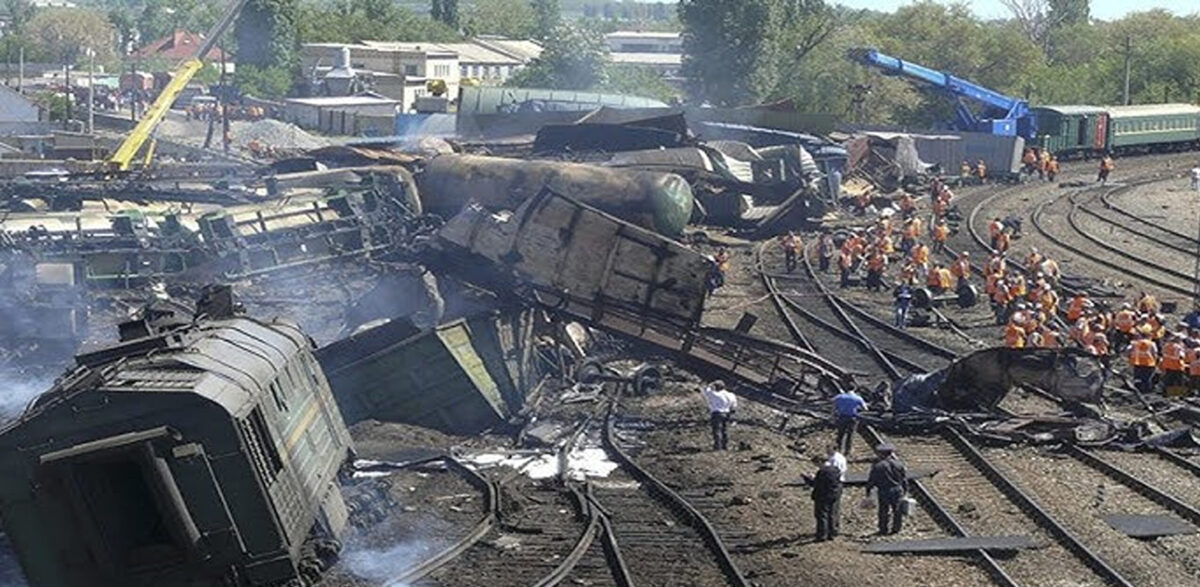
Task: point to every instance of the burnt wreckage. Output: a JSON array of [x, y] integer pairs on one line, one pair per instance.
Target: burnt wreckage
[[192, 452]]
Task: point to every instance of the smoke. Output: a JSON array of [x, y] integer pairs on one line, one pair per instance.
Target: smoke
[[380, 565], [16, 391]]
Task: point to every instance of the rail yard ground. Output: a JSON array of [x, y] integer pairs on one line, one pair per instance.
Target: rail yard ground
[[589, 477]]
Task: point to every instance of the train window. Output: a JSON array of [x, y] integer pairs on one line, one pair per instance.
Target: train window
[[277, 395], [261, 447]]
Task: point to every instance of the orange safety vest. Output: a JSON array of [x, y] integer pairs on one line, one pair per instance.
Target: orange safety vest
[[1143, 353], [944, 278], [1000, 296], [1107, 164], [1172, 356], [846, 260], [1148, 304], [995, 228], [1014, 336], [1075, 309], [886, 246], [911, 230], [907, 203], [1019, 286], [939, 207], [1032, 262], [1193, 361], [876, 262], [961, 268], [941, 232], [1100, 343], [1050, 339], [1003, 241], [921, 255], [1029, 158]]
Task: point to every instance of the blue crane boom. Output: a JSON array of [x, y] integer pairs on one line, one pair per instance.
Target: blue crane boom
[[1002, 115]]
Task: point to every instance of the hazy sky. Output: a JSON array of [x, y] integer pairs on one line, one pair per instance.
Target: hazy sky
[[1101, 9]]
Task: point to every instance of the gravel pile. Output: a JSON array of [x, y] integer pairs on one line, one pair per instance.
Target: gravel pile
[[275, 133]]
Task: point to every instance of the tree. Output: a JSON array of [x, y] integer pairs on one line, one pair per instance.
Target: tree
[[353, 21], [1038, 18], [639, 81], [445, 11], [271, 82], [807, 24], [1069, 12], [266, 34], [514, 19], [573, 59], [548, 17], [65, 34], [729, 49]]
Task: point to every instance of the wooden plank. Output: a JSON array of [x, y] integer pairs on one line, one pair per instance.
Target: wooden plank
[[946, 545], [1148, 526]]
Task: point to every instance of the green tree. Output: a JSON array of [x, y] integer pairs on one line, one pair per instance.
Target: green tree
[[65, 34], [730, 49], [573, 59], [640, 81], [514, 19], [353, 21], [271, 82], [548, 15], [445, 12]]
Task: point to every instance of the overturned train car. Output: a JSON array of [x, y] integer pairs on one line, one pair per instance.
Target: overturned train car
[[205, 454]]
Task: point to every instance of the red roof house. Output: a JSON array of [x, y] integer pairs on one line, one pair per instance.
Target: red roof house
[[178, 46]]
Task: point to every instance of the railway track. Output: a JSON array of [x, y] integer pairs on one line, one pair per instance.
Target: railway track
[[1077, 492], [1147, 271], [663, 539]]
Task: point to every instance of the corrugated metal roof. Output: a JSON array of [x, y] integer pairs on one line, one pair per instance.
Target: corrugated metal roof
[[1152, 110], [1072, 110], [335, 101]]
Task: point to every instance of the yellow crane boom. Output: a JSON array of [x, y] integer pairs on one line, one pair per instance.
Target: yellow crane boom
[[123, 157]]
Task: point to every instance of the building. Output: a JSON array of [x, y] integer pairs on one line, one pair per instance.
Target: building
[[369, 114], [177, 46], [662, 52], [401, 70], [16, 108]]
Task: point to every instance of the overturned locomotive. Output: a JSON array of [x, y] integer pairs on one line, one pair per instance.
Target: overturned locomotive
[[192, 452]]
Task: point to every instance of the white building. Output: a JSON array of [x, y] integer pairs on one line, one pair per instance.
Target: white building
[[400, 70], [662, 52]]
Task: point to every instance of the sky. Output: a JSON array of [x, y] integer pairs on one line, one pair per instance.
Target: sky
[[1101, 9]]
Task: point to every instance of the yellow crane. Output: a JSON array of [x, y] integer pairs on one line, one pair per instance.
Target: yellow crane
[[121, 159]]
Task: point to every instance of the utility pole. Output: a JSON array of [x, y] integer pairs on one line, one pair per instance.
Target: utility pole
[[69, 93], [91, 120], [21, 69], [1128, 55]]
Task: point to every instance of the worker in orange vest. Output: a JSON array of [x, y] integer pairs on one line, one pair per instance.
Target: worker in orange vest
[[981, 171], [792, 246], [1106, 168], [920, 256], [876, 265], [1049, 302], [1014, 336], [1017, 287], [846, 262], [885, 246], [908, 274], [1172, 365], [940, 207], [1029, 161], [996, 263], [961, 268], [1052, 168], [939, 279], [1148, 304], [908, 204], [1143, 357], [995, 227], [1124, 322], [1033, 261], [1193, 369], [1076, 307], [1003, 242], [1000, 301], [1050, 338], [941, 232]]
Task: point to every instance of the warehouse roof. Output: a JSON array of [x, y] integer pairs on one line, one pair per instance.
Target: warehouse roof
[[646, 58]]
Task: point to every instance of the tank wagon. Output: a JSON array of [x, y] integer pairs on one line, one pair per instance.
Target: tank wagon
[[192, 452]]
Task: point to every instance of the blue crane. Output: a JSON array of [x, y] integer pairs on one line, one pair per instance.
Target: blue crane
[[1002, 115]]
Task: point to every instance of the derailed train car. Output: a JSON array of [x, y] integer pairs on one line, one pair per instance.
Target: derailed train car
[[189, 454], [582, 261]]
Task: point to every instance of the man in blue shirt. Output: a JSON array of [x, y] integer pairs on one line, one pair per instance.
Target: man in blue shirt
[[846, 406]]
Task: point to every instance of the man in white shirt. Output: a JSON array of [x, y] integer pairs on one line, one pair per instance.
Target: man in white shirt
[[721, 406], [1196, 179], [835, 458]]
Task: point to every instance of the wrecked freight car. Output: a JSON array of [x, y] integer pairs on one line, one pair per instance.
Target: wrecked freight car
[[652, 200], [579, 260], [193, 453], [980, 380]]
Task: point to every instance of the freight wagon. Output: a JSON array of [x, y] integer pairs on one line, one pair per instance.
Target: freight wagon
[[191, 453]]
